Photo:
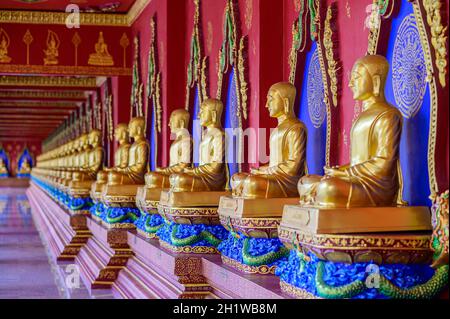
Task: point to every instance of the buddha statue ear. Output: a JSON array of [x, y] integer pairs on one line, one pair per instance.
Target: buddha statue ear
[[214, 114], [376, 82]]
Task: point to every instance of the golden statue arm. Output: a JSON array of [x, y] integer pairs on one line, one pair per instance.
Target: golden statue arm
[[141, 161], [296, 150], [387, 131]]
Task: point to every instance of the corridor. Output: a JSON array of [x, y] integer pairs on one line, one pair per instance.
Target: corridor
[[25, 270]]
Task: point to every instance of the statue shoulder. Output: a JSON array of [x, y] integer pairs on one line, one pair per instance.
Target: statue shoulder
[[295, 125]]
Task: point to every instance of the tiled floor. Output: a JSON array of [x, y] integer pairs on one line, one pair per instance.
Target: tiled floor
[[25, 269]]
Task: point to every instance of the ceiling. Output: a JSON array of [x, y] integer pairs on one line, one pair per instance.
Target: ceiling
[[33, 111], [119, 6]]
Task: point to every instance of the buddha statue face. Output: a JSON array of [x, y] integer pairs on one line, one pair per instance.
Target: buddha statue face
[[121, 133], [94, 138], [136, 127], [179, 120], [280, 99], [211, 112], [368, 77]]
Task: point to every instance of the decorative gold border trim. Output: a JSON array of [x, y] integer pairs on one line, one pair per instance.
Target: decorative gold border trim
[[189, 249], [65, 70], [433, 98], [44, 94], [45, 81], [259, 270], [296, 292], [86, 19]]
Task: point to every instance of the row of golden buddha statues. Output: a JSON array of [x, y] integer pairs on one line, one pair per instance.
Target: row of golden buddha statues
[[190, 209]]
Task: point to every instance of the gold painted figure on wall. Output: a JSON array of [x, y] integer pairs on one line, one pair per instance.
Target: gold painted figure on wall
[[371, 178], [101, 56], [287, 152], [4, 44], [51, 53]]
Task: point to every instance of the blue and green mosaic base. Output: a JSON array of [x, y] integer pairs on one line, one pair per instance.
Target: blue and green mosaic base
[[121, 215], [4, 175], [23, 175], [332, 280], [253, 252], [149, 223], [192, 235]]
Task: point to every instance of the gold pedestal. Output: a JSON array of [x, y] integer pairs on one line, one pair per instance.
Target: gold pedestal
[[190, 208], [356, 220], [257, 218], [96, 191], [147, 199], [120, 195]]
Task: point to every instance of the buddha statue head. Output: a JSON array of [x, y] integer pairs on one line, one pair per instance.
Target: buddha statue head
[[179, 120], [121, 133], [83, 142], [94, 138], [368, 77], [211, 113], [136, 128], [281, 99]]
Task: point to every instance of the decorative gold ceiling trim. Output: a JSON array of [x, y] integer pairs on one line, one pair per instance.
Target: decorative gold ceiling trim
[[47, 81], [41, 17], [86, 19], [43, 94], [65, 70], [24, 104]]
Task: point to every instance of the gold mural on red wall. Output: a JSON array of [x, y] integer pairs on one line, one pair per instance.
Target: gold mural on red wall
[[52, 51], [4, 44], [101, 56]]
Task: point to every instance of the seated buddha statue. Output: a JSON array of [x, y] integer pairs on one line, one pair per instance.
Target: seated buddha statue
[[210, 175], [3, 169], [79, 158], [134, 173], [4, 43], [120, 156], [180, 151], [91, 158], [101, 55], [25, 167], [287, 152], [371, 178]]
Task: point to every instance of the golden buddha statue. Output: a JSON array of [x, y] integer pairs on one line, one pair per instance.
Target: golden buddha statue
[[372, 178], [51, 53], [3, 169], [101, 55], [120, 156], [120, 160], [91, 159], [180, 151], [137, 159], [287, 152], [210, 175], [25, 167]]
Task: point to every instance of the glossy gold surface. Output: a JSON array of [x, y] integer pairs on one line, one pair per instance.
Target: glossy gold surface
[[137, 158], [120, 156], [101, 56], [371, 178], [287, 152], [24, 168], [210, 175], [3, 169], [180, 151]]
